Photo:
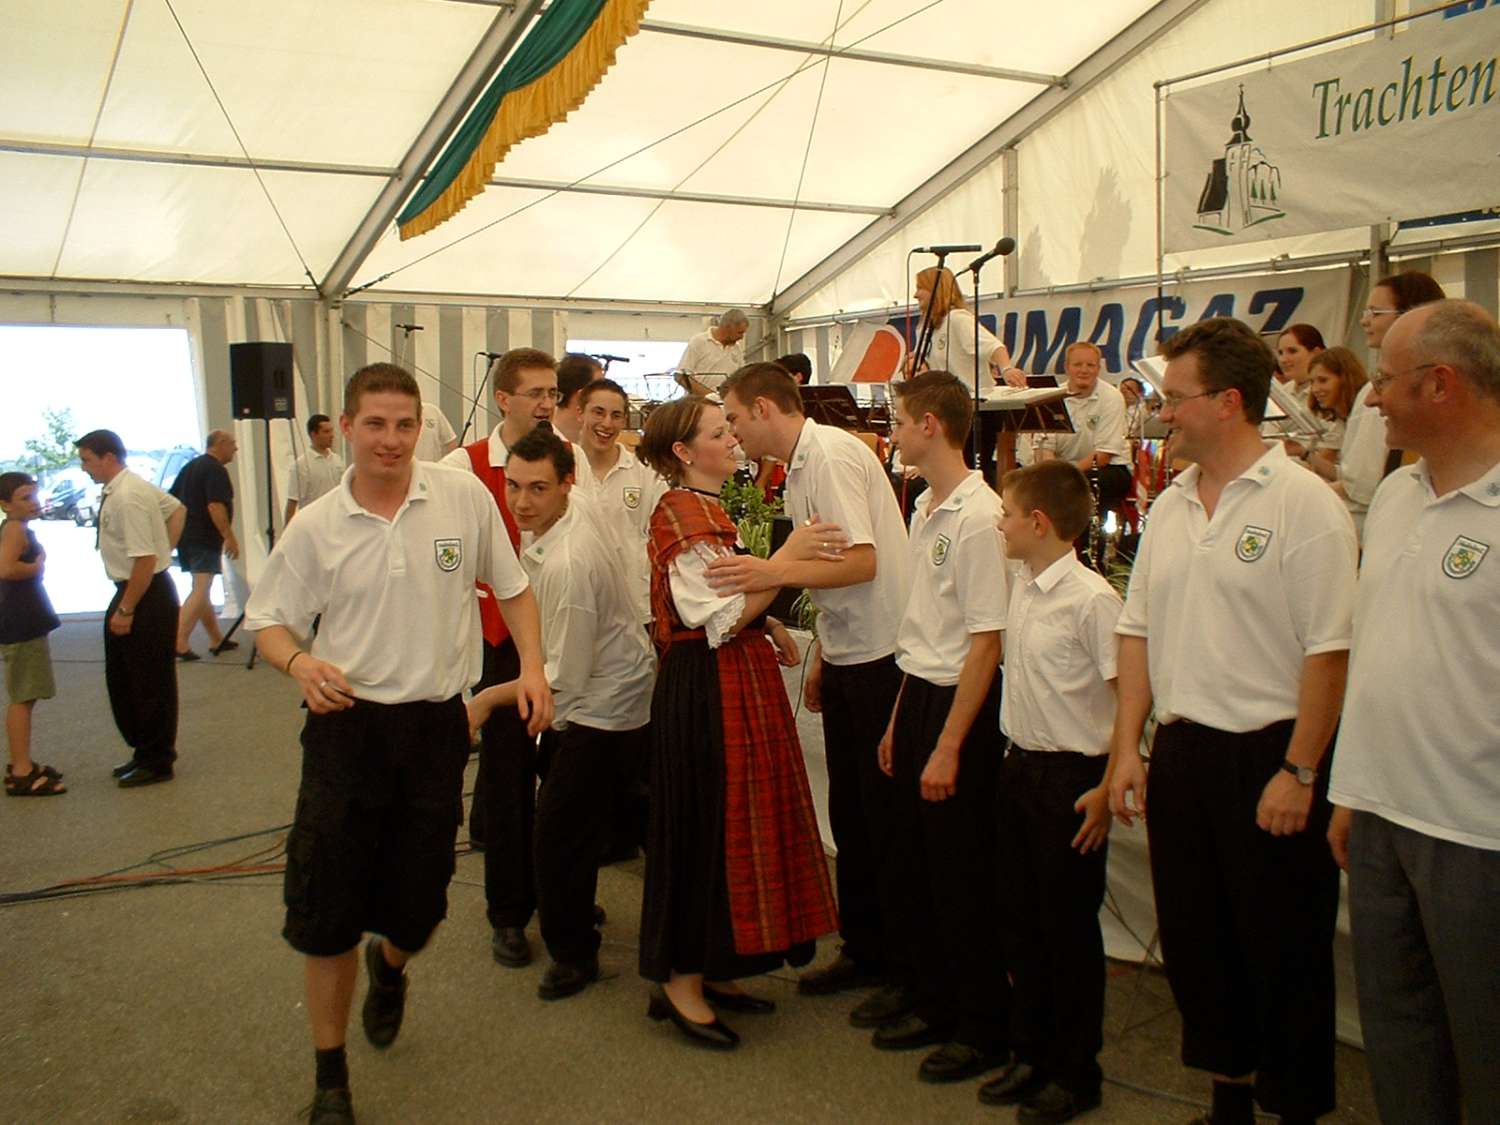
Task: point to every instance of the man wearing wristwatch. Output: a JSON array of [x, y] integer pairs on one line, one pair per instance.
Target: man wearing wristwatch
[[1236, 628], [139, 525]]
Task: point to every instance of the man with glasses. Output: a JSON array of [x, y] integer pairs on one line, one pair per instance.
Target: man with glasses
[[504, 806], [1417, 773], [1236, 628]]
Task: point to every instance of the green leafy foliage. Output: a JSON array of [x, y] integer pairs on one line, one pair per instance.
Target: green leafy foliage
[[747, 507]]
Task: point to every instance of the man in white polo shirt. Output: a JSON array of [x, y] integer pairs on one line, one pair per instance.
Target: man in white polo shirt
[[1236, 626], [719, 349], [317, 471], [833, 477], [1416, 775], [942, 745], [389, 561], [601, 669], [139, 524]]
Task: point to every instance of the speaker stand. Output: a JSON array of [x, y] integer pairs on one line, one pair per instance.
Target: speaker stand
[[270, 543]]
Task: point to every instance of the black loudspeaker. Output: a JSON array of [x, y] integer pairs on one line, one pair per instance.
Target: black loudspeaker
[[260, 380]]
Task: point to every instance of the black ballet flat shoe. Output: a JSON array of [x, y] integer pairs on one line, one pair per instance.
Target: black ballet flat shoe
[[718, 1035], [738, 1002]]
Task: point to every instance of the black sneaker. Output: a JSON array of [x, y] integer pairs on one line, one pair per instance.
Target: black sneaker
[[510, 948], [1052, 1105], [885, 1005], [332, 1107], [562, 979], [839, 975], [385, 1004]]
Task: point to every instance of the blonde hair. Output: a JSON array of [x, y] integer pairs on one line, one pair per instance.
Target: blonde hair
[[939, 280]]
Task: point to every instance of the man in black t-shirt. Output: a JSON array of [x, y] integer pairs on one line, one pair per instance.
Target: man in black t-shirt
[[206, 492]]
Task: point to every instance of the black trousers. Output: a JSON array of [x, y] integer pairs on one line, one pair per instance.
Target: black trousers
[[945, 855], [573, 821], [140, 673], [859, 806], [1055, 949], [1246, 918], [505, 800]]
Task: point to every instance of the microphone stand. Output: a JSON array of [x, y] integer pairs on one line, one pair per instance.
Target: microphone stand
[[924, 331], [974, 269], [478, 394]]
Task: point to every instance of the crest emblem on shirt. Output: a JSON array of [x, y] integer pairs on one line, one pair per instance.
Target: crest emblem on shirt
[[632, 497], [1253, 543], [940, 550], [449, 553], [1464, 557]]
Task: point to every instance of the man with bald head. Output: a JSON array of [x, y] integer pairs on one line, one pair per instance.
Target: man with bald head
[[207, 493], [721, 348], [1416, 773]]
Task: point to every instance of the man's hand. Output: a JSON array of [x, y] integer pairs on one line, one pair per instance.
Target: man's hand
[[1127, 789], [1094, 805], [743, 574], [119, 624], [534, 701], [812, 682], [323, 684], [231, 546], [883, 751], [1284, 805], [788, 655], [1338, 835], [940, 776]]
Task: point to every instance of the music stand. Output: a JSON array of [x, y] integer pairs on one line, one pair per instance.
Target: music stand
[[1010, 412], [833, 405]]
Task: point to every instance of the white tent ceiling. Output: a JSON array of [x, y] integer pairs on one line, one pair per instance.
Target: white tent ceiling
[[117, 162]]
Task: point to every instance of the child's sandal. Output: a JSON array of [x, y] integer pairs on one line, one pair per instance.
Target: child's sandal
[[38, 783]]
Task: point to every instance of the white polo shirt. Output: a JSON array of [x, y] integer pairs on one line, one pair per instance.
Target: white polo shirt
[[1362, 457], [436, 433], [703, 353], [953, 350], [1059, 658], [1098, 426], [314, 474], [834, 475], [599, 660], [958, 581], [1419, 742], [133, 524], [624, 501], [397, 597], [1231, 607]]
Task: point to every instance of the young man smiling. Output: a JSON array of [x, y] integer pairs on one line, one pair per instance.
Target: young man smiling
[[601, 669], [389, 560]]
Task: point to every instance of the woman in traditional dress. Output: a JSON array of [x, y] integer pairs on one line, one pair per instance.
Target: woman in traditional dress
[[736, 879]]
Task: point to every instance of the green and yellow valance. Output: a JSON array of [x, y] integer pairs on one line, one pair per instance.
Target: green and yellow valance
[[545, 79]]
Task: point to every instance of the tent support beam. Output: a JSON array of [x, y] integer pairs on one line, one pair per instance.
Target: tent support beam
[[691, 196], [854, 54], [498, 41], [1140, 34]]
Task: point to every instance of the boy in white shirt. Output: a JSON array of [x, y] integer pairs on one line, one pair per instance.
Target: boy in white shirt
[[1057, 711], [942, 745]]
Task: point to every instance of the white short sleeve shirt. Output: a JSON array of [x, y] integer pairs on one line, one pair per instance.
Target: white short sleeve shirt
[[1231, 606], [437, 433], [133, 524], [624, 501], [705, 354], [1419, 743], [958, 581], [834, 476], [953, 349], [314, 474], [1059, 658], [1098, 425], [396, 597]]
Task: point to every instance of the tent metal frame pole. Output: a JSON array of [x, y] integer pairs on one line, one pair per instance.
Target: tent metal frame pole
[[501, 37], [852, 54], [1152, 24], [580, 188]]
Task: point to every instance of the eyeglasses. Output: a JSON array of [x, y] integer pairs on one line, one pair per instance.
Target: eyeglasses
[[1383, 379], [539, 393], [1371, 310], [1172, 402]]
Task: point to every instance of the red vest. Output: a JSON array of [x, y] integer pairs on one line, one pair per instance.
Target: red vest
[[493, 478]]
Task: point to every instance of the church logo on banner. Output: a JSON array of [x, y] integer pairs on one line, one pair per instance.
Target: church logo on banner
[[1242, 185]]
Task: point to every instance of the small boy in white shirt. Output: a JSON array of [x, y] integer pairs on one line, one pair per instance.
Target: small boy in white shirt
[[1057, 711]]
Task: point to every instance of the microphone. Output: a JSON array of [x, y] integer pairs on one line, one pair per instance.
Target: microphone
[[612, 358], [410, 327], [487, 355], [1005, 246], [949, 248]]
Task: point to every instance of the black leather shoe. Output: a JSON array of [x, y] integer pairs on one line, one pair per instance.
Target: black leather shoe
[[562, 979], [907, 1034], [888, 1005], [1018, 1083], [1052, 1105], [510, 947], [122, 769], [738, 1002], [957, 1062], [717, 1035], [143, 775], [385, 1004], [840, 975], [332, 1107]]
